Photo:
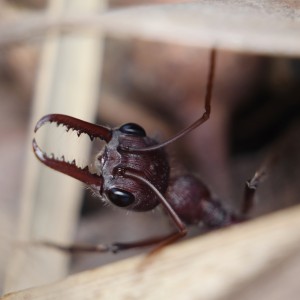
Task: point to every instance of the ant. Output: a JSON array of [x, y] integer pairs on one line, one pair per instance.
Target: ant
[[133, 172]]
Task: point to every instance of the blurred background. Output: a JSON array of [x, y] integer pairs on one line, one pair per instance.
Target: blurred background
[[159, 85]]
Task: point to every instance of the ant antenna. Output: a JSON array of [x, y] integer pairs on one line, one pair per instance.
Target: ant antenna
[[201, 120], [176, 219]]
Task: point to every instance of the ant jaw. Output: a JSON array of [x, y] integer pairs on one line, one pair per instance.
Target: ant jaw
[[92, 130], [84, 175], [71, 169]]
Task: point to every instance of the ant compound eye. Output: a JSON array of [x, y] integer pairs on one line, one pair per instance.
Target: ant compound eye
[[133, 129], [119, 197]]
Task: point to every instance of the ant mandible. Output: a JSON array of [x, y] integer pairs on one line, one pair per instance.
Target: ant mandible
[[135, 175]]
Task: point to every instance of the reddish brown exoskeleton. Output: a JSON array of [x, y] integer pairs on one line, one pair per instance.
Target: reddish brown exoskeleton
[[133, 172]]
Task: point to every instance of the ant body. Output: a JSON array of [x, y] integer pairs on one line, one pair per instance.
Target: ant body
[[133, 172]]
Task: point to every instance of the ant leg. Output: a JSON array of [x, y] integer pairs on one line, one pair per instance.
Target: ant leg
[[113, 248], [159, 241], [250, 190], [74, 248], [116, 247], [170, 211], [252, 184]]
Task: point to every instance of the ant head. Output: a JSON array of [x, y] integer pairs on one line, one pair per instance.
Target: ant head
[[109, 179], [115, 159]]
